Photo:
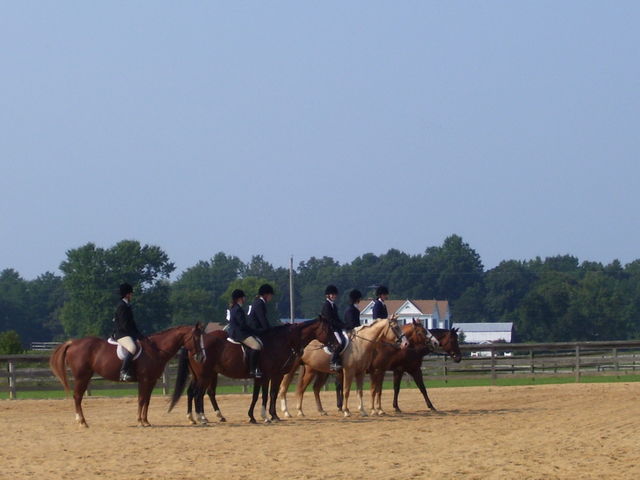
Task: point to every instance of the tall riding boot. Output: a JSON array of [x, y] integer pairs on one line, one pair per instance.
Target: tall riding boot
[[254, 357], [125, 374], [336, 361]]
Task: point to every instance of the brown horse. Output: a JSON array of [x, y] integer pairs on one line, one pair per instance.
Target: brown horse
[[356, 360], [421, 342], [89, 355], [282, 345]]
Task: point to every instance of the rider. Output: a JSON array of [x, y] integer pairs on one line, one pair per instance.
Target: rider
[[330, 312], [241, 331], [125, 330], [258, 310], [352, 313], [379, 308]]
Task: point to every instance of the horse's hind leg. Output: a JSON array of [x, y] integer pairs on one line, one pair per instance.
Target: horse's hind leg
[[273, 397], [284, 387], [318, 383], [303, 383], [377, 378], [80, 386], [212, 396]]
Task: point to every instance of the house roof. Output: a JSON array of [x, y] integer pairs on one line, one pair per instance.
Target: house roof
[[485, 327], [426, 307]]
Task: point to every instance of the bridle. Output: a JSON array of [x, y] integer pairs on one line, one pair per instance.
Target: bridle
[[397, 331]]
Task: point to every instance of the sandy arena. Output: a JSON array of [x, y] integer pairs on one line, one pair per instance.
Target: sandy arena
[[586, 431]]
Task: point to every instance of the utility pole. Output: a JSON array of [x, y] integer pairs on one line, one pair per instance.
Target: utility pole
[[291, 288]]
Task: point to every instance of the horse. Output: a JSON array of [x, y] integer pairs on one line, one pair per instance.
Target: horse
[[421, 342], [356, 359], [282, 345], [89, 355]]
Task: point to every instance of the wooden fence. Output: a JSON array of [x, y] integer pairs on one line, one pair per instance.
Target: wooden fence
[[493, 360]]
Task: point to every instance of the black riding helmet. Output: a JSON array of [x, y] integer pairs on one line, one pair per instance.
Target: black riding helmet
[[331, 290], [265, 289]]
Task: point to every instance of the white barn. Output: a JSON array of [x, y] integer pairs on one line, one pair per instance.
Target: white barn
[[485, 332], [432, 313]]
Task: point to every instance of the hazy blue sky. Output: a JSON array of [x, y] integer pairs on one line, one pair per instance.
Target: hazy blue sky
[[319, 128]]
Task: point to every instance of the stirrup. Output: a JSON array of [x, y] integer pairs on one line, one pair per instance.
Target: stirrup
[[335, 367], [125, 377], [257, 373]]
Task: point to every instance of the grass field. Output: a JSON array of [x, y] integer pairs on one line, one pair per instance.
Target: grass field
[[235, 389]]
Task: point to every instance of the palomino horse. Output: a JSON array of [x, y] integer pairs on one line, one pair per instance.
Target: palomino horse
[[421, 342], [87, 355], [282, 345], [356, 359]]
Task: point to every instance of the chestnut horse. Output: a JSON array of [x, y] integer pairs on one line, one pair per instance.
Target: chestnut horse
[[356, 360], [421, 342], [282, 345], [89, 355]]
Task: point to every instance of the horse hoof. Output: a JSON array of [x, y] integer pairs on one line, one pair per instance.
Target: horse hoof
[[267, 421], [300, 414], [381, 413], [323, 413], [347, 413], [252, 420], [192, 421], [364, 414], [287, 414], [222, 419], [397, 410]]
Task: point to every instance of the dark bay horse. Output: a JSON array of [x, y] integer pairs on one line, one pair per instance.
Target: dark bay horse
[[282, 345], [89, 355], [421, 343]]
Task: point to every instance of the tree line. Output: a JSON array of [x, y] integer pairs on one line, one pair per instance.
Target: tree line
[[552, 299]]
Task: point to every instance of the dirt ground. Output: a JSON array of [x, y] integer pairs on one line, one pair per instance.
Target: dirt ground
[[585, 431]]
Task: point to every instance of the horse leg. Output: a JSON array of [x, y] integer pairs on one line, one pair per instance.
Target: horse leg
[[347, 378], [201, 417], [80, 386], [273, 397], [254, 399], [265, 396], [397, 378], [211, 391], [282, 392], [359, 386], [318, 383], [144, 398], [377, 377], [191, 392], [338, 384], [417, 377], [303, 382]]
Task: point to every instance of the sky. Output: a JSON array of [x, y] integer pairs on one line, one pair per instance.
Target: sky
[[310, 129]]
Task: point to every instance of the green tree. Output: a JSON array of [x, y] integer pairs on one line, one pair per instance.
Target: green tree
[[194, 296], [10, 343], [91, 279]]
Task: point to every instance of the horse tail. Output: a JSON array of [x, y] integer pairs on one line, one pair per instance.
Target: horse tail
[[181, 377], [57, 362]]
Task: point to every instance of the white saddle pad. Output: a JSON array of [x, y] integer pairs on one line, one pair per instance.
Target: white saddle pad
[[346, 344], [120, 350]]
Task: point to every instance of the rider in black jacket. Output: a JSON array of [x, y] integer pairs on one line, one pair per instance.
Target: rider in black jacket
[[240, 330], [125, 330], [330, 312]]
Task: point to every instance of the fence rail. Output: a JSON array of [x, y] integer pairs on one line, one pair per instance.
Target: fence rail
[[493, 360]]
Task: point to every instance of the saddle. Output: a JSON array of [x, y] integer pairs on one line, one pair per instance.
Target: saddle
[[346, 344], [120, 351]]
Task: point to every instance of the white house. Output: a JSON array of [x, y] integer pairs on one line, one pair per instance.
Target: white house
[[486, 332], [432, 313]]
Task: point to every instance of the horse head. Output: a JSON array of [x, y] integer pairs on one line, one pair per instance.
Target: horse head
[[398, 334], [449, 343], [195, 343]]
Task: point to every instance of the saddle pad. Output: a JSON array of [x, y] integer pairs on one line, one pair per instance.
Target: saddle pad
[[346, 344], [120, 349]]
